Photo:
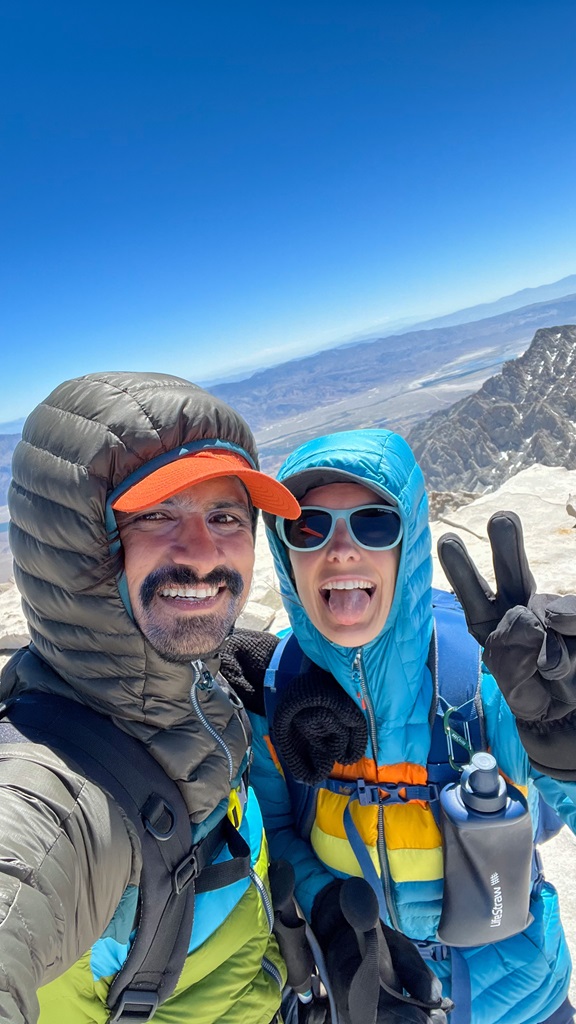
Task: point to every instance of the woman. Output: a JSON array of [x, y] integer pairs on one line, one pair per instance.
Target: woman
[[355, 573]]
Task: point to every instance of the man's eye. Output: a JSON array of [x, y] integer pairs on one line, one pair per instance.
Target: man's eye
[[227, 519], [149, 517]]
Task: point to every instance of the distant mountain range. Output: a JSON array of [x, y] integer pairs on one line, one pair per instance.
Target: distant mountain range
[[524, 415], [8, 443], [12, 426], [525, 297], [389, 327], [394, 381]]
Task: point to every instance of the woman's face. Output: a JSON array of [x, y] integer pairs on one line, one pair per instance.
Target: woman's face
[[346, 590]]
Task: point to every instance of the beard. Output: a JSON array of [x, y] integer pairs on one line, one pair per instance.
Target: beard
[[183, 638]]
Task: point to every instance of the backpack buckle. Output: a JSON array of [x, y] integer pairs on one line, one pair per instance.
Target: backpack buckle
[[185, 872], [135, 1007], [367, 795], [437, 951]]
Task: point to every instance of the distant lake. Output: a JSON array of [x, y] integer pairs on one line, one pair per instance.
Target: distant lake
[[4, 527]]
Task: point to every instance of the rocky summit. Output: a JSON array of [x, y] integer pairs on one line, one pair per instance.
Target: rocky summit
[[524, 415]]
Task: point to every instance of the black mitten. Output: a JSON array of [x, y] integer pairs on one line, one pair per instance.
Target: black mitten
[[244, 658], [376, 974], [529, 642], [317, 724]]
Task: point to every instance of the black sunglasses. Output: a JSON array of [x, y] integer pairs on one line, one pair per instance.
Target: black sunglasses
[[374, 527]]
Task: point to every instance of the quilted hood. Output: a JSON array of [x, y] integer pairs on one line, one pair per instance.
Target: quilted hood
[[77, 447], [394, 663]]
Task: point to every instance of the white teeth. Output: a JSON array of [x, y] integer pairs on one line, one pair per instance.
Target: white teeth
[[348, 585], [198, 593]]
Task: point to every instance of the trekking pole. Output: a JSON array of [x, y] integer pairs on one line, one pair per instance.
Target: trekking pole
[[290, 931]]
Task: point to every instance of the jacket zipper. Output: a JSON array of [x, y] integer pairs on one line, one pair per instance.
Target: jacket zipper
[[264, 897], [203, 681], [271, 969], [382, 852], [267, 964]]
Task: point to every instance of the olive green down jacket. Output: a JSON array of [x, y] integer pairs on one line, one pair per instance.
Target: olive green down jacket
[[67, 855]]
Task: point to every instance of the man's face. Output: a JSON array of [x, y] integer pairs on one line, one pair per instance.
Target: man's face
[[188, 564], [346, 590]]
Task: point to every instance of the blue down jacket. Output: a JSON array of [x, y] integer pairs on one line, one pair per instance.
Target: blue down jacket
[[522, 979]]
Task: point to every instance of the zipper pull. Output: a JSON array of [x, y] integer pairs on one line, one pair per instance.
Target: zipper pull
[[357, 679], [203, 679]]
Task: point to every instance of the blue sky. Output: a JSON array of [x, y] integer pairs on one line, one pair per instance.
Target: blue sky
[[199, 186]]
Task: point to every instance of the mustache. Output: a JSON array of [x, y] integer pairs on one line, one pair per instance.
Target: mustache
[[180, 576]]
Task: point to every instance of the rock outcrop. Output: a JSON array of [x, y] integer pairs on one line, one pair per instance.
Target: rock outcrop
[[524, 415]]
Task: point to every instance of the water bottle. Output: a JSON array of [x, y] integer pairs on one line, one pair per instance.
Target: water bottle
[[487, 844]]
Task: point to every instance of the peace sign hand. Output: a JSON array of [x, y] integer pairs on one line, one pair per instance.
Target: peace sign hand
[[529, 642], [514, 582]]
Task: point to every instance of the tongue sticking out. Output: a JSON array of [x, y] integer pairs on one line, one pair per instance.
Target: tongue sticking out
[[348, 606]]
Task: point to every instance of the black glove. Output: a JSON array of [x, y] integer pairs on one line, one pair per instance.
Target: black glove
[[317, 724], [529, 642], [376, 974]]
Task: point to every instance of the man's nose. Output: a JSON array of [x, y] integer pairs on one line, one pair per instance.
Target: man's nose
[[194, 545], [341, 546]]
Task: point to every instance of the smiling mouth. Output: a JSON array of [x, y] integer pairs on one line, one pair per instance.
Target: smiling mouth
[[192, 593]]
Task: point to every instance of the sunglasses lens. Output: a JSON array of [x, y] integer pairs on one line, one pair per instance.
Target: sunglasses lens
[[376, 527], [309, 530]]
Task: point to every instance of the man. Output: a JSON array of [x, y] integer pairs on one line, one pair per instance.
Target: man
[[133, 509]]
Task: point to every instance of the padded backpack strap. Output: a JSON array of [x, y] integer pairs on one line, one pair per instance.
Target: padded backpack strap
[[285, 663], [457, 714]]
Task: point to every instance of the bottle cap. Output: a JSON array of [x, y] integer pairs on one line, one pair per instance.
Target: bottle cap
[[482, 786]]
